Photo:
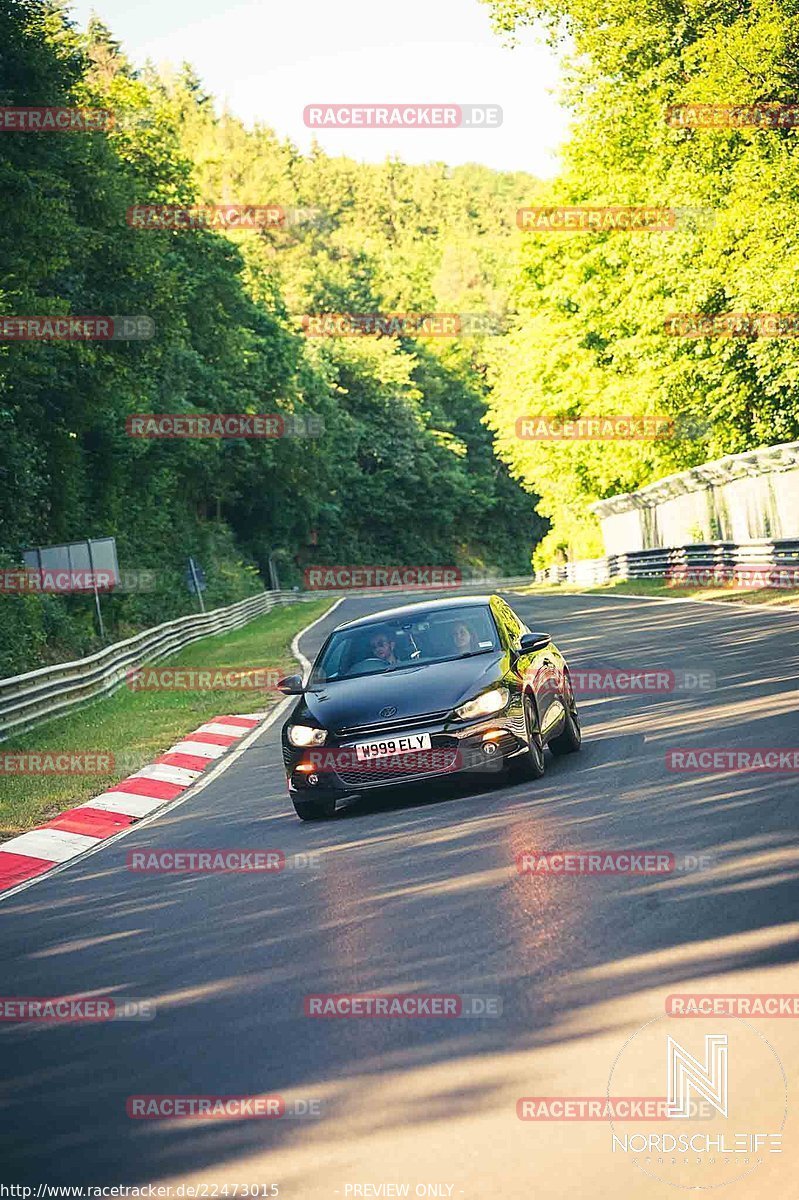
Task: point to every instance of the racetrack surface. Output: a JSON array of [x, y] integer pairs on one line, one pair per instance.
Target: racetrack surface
[[417, 891]]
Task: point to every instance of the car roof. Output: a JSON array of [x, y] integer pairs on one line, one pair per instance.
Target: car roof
[[409, 610]]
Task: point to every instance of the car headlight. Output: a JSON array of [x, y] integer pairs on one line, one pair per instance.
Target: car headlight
[[306, 735], [484, 705]]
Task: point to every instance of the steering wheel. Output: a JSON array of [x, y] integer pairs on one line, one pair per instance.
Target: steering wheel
[[367, 664]]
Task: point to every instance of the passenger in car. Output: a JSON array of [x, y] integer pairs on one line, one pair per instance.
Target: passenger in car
[[464, 638]]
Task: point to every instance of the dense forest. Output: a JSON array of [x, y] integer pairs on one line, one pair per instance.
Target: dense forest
[[419, 459], [403, 471], [589, 337]]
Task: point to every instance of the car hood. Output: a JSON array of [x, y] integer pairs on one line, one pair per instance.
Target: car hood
[[434, 687]]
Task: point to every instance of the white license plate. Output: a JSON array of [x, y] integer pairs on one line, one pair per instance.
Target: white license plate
[[396, 745]]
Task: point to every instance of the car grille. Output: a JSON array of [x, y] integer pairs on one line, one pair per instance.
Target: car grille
[[365, 777], [403, 723]]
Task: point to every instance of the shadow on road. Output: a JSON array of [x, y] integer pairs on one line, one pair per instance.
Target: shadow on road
[[415, 892]]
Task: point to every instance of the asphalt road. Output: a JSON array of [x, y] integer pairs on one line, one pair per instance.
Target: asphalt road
[[418, 892]]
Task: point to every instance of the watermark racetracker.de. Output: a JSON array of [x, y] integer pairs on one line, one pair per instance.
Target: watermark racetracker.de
[[32, 581], [402, 116], [602, 679], [257, 426], [59, 327], [54, 119], [50, 761], [401, 324], [56, 762], [68, 1010], [561, 864], [203, 679], [723, 759], [418, 1005], [746, 576], [765, 115], [158, 861], [732, 324], [181, 1107], [601, 1108], [355, 577], [607, 428], [732, 1004], [581, 218], [231, 217], [389, 762]]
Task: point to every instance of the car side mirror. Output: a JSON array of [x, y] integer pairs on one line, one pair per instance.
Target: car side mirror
[[530, 642], [291, 685]]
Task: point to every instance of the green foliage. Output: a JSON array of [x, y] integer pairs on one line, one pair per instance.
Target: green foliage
[[589, 337], [405, 470]]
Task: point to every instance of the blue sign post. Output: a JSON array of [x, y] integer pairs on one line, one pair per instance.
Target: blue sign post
[[195, 580]]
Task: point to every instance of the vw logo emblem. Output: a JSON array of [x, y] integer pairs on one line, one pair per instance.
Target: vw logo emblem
[[390, 711]]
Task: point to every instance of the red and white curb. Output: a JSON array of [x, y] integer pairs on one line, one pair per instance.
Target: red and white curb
[[80, 829]]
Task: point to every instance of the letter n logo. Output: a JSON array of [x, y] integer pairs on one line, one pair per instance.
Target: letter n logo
[[708, 1079]]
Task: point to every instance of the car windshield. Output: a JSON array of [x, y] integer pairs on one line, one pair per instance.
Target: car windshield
[[440, 635]]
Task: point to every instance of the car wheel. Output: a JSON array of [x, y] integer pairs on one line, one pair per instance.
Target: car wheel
[[531, 764], [314, 810], [572, 736]]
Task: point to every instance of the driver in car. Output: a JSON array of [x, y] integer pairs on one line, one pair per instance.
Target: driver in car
[[384, 647]]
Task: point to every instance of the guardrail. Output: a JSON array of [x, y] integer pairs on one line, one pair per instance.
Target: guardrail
[[39, 696], [703, 559]]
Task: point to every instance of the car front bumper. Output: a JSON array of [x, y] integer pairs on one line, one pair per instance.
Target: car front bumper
[[455, 749]]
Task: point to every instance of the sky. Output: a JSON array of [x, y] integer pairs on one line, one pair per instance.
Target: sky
[[268, 60]]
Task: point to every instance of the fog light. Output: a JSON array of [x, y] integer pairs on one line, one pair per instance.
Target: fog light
[[313, 780], [489, 748]]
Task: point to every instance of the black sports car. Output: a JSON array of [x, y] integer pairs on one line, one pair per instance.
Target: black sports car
[[422, 691]]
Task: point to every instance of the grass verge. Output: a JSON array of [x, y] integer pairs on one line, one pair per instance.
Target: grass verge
[[770, 597], [135, 727]]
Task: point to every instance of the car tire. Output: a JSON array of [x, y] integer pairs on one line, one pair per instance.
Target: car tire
[[571, 738], [531, 764], [314, 810]]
